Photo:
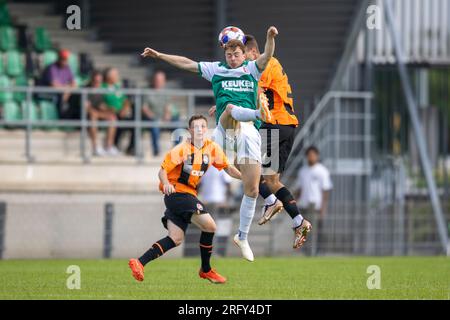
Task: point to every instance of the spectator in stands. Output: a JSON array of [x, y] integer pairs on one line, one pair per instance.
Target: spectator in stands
[[59, 75], [313, 187], [161, 105], [153, 110], [116, 101], [97, 110]]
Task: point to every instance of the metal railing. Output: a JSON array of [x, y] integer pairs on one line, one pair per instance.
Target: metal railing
[[136, 95], [336, 110]]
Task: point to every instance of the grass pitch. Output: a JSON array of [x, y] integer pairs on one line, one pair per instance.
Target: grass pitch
[[266, 278]]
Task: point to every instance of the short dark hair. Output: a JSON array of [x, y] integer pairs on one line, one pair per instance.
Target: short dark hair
[[251, 42], [313, 149], [197, 117], [233, 44]]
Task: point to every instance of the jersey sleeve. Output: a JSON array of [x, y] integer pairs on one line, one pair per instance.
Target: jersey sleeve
[[172, 159], [326, 183], [207, 69], [254, 70], [220, 159]]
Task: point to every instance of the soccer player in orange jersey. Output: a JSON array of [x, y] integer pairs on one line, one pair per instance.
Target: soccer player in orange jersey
[[179, 176], [274, 82], [277, 91]]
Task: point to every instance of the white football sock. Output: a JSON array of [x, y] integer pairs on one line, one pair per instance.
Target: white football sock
[[270, 200], [297, 221], [246, 214], [245, 114]]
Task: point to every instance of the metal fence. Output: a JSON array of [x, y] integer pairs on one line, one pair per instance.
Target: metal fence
[[136, 95], [426, 24]]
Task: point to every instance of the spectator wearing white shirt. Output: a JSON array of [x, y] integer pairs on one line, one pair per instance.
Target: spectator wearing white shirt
[[215, 187], [313, 188]]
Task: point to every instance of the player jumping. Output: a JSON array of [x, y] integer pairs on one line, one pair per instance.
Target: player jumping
[[235, 86], [179, 177], [274, 82], [277, 91]]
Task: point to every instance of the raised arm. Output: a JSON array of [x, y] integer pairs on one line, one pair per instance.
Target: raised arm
[[177, 61], [269, 49]]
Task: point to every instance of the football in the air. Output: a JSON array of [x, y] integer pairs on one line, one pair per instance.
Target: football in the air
[[231, 33]]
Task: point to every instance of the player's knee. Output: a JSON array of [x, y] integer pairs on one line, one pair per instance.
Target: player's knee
[[228, 108], [252, 191], [177, 239], [210, 227], [271, 180]]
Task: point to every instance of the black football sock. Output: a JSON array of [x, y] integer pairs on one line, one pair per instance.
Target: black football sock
[[264, 190], [289, 203], [158, 249], [206, 240]]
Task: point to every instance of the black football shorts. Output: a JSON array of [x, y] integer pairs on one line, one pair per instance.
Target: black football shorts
[[180, 207]]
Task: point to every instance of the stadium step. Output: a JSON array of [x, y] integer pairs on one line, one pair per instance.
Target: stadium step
[[39, 15]]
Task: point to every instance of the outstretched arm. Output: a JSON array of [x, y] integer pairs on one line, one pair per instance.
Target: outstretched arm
[[177, 61], [269, 49]]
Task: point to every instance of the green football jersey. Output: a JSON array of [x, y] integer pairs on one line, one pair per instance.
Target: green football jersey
[[237, 86]]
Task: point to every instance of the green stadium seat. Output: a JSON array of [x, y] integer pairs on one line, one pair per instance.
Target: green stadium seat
[[8, 39], [48, 110], [11, 111], [73, 64], [15, 66], [5, 95], [49, 57], [5, 18], [34, 111], [2, 64], [42, 40], [21, 81]]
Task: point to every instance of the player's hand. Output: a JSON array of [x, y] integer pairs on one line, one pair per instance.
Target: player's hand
[[150, 53], [272, 32], [212, 111], [168, 189]]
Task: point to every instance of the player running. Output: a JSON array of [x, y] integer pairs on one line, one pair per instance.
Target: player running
[[179, 176], [277, 93], [235, 86]]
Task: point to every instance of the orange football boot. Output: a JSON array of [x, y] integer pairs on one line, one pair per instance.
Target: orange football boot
[[137, 269], [212, 276]]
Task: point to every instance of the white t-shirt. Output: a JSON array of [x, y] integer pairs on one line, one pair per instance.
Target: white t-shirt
[[313, 180], [213, 186]]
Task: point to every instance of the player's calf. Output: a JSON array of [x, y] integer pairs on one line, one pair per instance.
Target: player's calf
[[156, 250]]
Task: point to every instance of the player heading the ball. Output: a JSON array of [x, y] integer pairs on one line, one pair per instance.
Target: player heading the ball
[[235, 86]]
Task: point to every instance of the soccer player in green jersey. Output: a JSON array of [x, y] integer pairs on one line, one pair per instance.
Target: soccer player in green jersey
[[235, 86]]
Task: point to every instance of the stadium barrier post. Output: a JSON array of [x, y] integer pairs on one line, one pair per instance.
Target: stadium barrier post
[[83, 131], [191, 102], [138, 128], [107, 240], [2, 227], [29, 128]]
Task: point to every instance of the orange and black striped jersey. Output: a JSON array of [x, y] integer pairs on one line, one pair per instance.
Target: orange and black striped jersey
[[185, 164], [274, 82]]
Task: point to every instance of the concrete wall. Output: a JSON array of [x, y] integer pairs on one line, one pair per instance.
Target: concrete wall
[[71, 225]]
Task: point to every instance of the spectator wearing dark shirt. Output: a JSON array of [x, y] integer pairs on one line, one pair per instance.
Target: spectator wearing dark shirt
[[153, 110]]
